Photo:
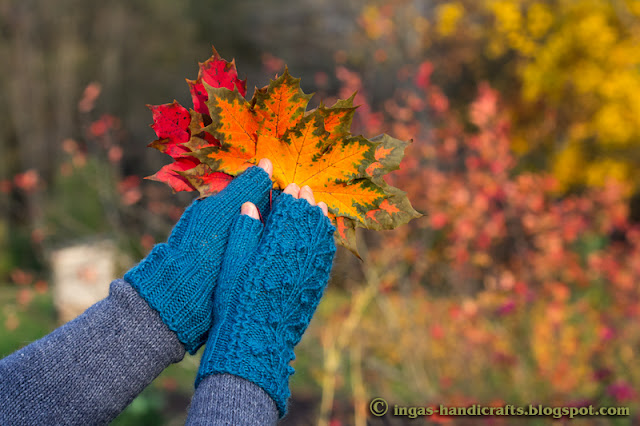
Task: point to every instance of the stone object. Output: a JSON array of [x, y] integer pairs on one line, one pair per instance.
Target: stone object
[[81, 276]]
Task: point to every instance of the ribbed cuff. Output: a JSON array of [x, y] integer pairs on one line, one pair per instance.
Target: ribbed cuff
[[175, 288]]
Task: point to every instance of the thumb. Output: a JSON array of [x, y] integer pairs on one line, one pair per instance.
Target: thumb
[[243, 239]]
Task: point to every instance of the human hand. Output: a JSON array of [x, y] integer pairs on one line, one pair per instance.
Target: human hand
[[270, 284], [178, 277]]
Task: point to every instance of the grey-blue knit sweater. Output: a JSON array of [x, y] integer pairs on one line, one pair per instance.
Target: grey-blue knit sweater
[[88, 370]]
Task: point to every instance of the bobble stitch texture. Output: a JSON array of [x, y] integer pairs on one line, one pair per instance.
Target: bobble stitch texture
[[267, 292]]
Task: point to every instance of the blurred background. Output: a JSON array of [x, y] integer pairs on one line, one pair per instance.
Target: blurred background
[[521, 283]]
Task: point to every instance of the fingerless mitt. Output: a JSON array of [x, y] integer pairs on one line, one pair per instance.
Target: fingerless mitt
[[268, 289], [178, 277]]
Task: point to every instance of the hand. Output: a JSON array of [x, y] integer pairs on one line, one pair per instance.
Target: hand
[[178, 277], [306, 193], [269, 287]]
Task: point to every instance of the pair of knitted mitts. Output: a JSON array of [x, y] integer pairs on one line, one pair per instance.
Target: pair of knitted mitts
[[250, 289]]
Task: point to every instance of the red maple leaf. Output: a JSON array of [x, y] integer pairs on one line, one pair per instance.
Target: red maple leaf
[[181, 132]]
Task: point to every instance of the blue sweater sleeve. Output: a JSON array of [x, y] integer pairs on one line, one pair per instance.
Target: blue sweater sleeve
[[88, 370]]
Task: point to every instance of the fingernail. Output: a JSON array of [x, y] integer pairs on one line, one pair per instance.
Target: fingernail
[[266, 165], [250, 210], [324, 208]]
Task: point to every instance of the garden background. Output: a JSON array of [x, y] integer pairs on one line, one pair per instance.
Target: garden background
[[520, 285]]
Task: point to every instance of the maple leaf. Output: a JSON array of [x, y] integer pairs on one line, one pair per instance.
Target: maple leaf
[[170, 174], [215, 72], [171, 124], [313, 148], [225, 134], [181, 131]]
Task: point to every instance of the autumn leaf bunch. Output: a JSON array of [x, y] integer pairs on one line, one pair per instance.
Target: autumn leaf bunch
[[224, 134]]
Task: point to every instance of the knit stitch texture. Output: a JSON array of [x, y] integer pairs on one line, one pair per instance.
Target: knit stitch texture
[[87, 371], [178, 277], [223, 399], [268, 289]]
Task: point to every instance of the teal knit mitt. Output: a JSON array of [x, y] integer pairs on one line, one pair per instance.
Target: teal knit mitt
[[269, 287], [178, 277]]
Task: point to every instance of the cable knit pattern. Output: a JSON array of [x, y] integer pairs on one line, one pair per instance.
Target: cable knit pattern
[[178, 277], [268, 289]]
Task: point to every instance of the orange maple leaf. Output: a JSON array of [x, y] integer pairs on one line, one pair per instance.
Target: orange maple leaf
[[314, 148]]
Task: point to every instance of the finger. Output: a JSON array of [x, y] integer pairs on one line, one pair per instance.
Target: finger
[[324, 208], [266, 165], [307, 194], [293, 190], [250, 210]]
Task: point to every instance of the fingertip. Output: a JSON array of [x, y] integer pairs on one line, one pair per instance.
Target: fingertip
[[250, 210], [266, 165], [293, 190], [325, 209], [307, 194]]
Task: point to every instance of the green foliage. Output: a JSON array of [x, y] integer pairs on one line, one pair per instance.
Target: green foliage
[[21, 324], [145, 410], [76, 205], [6, 261], [17, 250]]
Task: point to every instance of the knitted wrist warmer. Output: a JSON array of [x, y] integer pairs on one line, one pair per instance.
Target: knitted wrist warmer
[[178, 277], [268, 289]]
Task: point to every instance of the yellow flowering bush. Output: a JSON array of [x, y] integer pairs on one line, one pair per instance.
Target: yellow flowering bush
[[568, 72]]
